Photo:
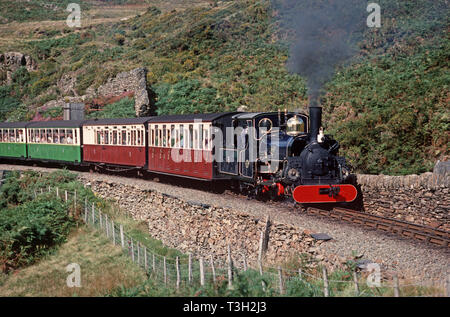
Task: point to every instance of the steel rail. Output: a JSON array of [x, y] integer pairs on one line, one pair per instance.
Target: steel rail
[[399, 227]]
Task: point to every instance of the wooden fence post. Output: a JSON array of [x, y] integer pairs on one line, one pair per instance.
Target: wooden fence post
[[396, 286], [355, 280], [138, 253], [230, 268], [145, 260], [93, 214], [165, 271], [132, 250], [113, 232], [106, 225], [122, 240], [447, 286], [300, 274], [326, 291], [86, 213], [100, 216], [178, 273], [190, 268], [57, 192], [280, 280], [202, 272], [65, 195], [213, 269], [153, 263], [260, 251], [85, 210]]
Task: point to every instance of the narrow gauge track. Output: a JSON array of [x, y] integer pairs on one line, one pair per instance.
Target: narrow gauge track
[[398, 227]]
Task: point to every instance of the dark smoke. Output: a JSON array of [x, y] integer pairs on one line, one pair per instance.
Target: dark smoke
[[325, 36]]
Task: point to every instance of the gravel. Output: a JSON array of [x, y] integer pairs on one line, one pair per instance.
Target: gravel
[[413, 260]]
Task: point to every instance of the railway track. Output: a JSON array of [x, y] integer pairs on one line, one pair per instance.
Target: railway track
[[399, 227], [395, 226]]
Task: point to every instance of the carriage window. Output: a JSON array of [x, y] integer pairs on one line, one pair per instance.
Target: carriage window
[[200, 137], [156, 136], [164, 135], [152, 138], [76, 136], [48, 136], [124, 137], [69, 136], [114, 138], [168, 137], [196, 139], [191, 136], [20, 135], [62, 136], [177, 137], [206, 139], [173, 135], [106, 137], [55, 135], [99, 138], [181, 136]]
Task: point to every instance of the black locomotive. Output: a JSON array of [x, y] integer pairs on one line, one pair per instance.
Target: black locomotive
[[279, 154]]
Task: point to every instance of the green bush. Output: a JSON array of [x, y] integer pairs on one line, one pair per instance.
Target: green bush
[[29, 230]]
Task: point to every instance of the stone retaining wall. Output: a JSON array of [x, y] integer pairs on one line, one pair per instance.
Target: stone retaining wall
[[422, 199], [205, 230]]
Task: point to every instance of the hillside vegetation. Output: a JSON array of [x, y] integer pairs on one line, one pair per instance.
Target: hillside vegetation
[[388, 108]]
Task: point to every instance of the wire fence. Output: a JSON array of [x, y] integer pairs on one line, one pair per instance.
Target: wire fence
[[184, 271]]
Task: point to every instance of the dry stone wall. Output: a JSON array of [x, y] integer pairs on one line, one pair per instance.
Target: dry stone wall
[[422, 199], [205, 230]]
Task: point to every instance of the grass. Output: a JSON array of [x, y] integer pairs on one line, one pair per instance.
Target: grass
[[103, 268]]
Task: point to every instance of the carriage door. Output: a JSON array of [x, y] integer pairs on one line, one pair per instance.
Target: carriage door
[[245, 149]]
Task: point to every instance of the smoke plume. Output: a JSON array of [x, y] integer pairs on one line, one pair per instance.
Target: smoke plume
[[324, 36]]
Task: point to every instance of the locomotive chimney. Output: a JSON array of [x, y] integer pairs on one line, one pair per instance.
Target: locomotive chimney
[[315, 119]]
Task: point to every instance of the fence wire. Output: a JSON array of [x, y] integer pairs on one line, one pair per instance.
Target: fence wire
[[164, 269]]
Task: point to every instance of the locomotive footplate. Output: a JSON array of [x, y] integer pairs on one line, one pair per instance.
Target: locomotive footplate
[[324, 193]]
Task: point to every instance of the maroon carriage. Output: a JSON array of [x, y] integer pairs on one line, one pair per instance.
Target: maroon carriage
[[116, 141], [182, 145]]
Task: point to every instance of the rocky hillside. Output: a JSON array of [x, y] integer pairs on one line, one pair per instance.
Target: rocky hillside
[[388, 108]]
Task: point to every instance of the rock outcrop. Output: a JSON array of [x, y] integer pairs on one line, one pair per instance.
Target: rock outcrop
[[134, 81], [11, 61]]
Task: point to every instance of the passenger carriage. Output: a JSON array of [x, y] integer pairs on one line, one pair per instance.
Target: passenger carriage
[[182, 144], [119, 141], [55, 141], [13, 140]]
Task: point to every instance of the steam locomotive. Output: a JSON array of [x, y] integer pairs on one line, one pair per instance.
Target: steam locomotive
[[274, 154]]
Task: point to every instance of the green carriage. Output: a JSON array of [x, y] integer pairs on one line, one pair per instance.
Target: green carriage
[[13, 140], [55, 141]]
